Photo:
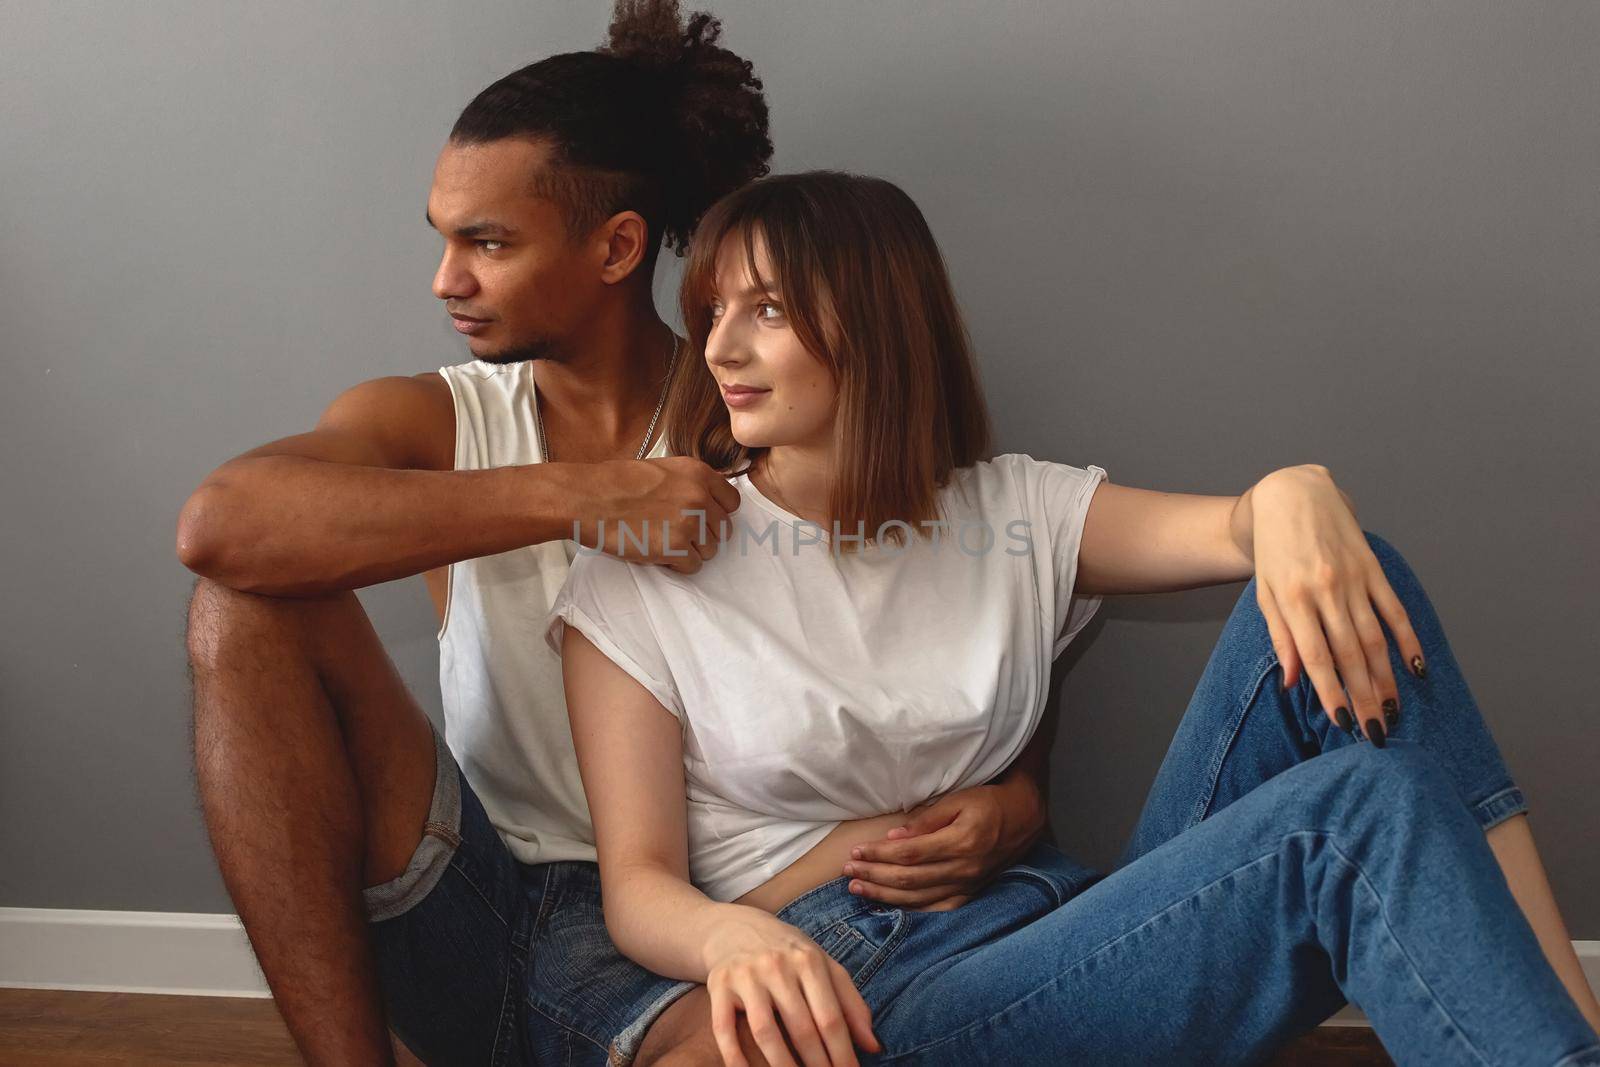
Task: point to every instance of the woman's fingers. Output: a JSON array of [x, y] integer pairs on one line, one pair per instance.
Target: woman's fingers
[[1350, 661], [1394, 613], [826, 1009], [782, 978], [725, 1024], [753, 996], [1282, 639], [1375, 644], [1342, 647], [857, 1016], [1303, 621], [1322, 662]]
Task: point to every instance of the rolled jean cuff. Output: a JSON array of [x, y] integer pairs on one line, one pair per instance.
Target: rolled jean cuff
[[441, 836], [625, 1046], [1500, 806]]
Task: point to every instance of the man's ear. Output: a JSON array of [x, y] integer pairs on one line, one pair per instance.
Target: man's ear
[[623, 243]]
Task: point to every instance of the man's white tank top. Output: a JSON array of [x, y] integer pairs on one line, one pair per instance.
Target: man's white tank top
[[504, 707]]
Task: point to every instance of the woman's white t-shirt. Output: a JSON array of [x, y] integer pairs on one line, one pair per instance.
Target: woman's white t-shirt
[[815, 687]]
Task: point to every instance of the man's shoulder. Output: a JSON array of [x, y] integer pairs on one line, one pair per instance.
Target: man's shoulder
[[412, 416]]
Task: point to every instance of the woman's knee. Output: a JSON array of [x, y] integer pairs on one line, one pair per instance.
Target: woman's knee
[[1366, 781], [1396, 569], [1247, 623]]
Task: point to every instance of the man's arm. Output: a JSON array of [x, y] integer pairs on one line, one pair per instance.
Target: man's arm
[[1025, 791], [368, 496]]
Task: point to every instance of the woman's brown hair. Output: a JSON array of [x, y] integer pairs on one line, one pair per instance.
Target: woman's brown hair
[[865, 288]]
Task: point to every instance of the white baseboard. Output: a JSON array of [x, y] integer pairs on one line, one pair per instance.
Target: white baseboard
[[208, 955], [183, 953]]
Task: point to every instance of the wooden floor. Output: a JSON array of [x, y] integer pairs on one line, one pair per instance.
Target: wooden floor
[[46, 1028]]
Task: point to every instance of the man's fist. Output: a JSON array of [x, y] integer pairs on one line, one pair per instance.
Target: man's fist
[[672, 511]]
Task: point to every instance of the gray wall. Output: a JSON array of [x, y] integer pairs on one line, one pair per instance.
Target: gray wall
[[1196, 241]]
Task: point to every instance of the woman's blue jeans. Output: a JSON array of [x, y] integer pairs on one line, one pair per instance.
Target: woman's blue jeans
[[1280, 868]]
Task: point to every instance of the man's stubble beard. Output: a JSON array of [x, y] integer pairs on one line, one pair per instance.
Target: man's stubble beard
[[522, 352]]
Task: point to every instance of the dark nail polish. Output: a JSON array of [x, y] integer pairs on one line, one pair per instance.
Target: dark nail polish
[[1391, 713], [1418, 668], [1346, 723], [1375, 731]]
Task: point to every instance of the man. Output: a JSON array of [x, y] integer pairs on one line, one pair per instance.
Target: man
[[450, 892]]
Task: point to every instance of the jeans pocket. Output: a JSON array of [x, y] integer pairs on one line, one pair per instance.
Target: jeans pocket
[[863, 942], [1058, 875]]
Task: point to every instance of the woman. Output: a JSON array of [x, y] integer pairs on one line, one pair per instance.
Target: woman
[[743, 725]]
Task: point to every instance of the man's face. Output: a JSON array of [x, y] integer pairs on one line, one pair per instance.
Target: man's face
[[510, 279]]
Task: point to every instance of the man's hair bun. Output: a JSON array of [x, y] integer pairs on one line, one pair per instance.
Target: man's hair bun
[[712, 106], [659, 119]]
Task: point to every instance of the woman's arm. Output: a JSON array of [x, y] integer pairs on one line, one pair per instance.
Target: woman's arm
[[1144, 541], [630, 757]]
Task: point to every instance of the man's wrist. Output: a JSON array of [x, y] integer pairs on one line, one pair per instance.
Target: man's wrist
[[1025, 810]]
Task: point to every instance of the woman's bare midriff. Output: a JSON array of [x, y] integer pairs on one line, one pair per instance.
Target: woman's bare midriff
[[823, 863]]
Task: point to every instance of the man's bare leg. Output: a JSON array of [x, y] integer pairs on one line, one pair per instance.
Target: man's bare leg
[[315, 771], [682, 1037], [1512, 844]]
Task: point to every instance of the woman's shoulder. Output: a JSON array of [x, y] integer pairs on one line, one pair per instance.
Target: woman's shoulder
[[1033, 486], [1024, 466], [1006, 469]]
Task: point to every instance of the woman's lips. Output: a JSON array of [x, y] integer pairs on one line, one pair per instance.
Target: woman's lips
[[743, 398]]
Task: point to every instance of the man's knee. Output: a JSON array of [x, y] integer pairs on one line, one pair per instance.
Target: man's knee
[[225, 623], [216, 615]]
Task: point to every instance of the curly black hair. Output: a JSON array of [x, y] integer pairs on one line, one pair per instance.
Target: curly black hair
[[658, 119]]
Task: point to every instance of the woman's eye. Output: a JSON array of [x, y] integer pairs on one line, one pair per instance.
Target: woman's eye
[[774, 307]]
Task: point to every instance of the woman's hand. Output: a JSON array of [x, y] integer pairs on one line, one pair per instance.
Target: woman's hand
[[757, 963], [950, 848], [1317, 582]]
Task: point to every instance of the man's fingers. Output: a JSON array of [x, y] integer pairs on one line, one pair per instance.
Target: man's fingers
[[943, 844], [931, 818], [722, 490], [918, 876], [905, 898]]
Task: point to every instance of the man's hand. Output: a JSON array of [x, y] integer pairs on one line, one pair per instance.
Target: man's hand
[[672, 511], [950, 848]]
